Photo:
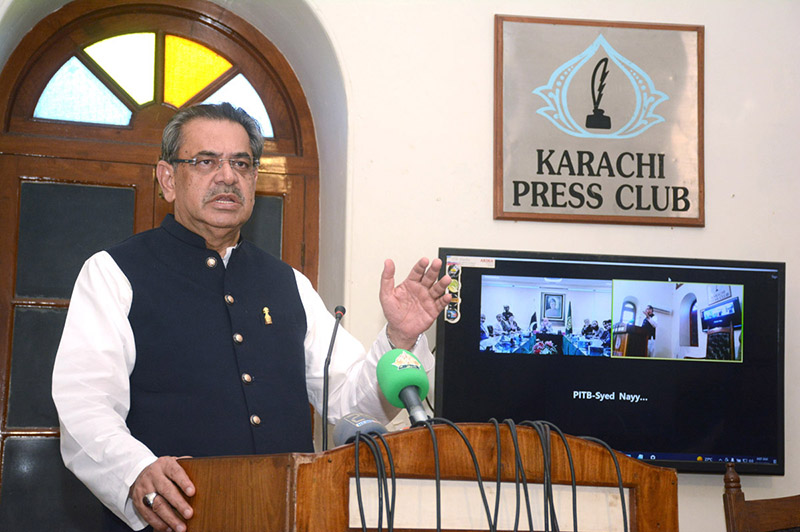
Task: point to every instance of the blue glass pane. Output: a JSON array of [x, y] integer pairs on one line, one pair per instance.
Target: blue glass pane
[[240, 93], [37, 332], [74, 94], [39, 493], [59, 229]]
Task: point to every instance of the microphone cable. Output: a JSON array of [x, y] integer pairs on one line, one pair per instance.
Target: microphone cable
[[520, 477], [571, 462], [436, 471], [476, 465], [380, 473], [619, 478], [540, 427], [498, 461], [390, 505]]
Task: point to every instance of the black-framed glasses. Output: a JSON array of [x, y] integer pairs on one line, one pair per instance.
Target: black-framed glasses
[[205, 165]]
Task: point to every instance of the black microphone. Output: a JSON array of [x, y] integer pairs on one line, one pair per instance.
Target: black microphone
[[338, 312], [404, 383], [346, 429]]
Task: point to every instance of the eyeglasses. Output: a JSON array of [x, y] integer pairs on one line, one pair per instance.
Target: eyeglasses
[[207, 165]]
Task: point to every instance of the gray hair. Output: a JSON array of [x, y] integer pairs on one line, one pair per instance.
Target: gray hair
[[173, 133]]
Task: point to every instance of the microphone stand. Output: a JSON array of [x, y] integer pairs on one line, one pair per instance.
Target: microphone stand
[[338, 313]]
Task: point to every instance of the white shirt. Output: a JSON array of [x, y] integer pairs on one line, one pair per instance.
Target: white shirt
[[96, 356]]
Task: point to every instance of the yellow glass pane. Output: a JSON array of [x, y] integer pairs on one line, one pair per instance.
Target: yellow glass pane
[[188, 68], [130, 61]]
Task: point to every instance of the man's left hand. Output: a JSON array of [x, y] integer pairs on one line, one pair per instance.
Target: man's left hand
[[412, 306]]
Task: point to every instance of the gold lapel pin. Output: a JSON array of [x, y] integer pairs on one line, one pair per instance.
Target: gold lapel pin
[[267, 317]]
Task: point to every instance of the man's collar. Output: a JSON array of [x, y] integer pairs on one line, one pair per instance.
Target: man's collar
[[171, 225]]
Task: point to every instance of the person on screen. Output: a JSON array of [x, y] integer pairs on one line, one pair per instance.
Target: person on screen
[[500, 327], [509, 321], [189, 340], [590, 330], [485, 332], [649, 324], [605, 334]]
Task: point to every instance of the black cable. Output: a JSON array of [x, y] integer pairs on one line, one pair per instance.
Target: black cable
[[390, 505], [516, 479], [499, 462], [476, 465], [358, 486], [437, 473], [571, 462], [543, 430], [519, 476], [380, 472], [619, 478], [544, 441]]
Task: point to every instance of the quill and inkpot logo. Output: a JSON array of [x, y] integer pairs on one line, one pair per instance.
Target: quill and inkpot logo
[[598, 118], [640, 115], [612, 98]]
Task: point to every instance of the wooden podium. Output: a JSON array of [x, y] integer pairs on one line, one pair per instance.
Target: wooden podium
[[629, 340], [310, 492]]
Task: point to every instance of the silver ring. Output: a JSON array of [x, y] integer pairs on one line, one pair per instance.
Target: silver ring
[[148, 499]]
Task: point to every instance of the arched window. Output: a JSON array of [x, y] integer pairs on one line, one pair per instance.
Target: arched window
[[687, 326], [83, 101], [628, 314]]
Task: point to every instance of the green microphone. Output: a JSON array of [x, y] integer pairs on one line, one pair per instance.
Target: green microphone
[[404, 383]]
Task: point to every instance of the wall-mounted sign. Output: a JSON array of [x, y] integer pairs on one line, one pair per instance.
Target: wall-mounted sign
[[598, 121]]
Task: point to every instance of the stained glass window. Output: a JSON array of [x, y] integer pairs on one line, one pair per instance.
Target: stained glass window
[[75, 94], [240, 91], [130, 60], [188, 68]]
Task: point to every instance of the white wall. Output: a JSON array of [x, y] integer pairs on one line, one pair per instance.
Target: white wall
[[417, 175], [419, 76]]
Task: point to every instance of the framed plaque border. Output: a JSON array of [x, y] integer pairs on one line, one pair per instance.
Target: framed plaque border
[[501, 214]]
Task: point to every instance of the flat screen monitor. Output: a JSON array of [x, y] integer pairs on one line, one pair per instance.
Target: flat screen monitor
[[727, 313], [677, 362]]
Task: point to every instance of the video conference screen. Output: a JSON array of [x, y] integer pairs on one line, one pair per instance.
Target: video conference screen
[[674, 361]]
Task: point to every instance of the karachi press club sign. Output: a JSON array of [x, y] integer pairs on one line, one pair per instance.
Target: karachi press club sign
[[598, 121]]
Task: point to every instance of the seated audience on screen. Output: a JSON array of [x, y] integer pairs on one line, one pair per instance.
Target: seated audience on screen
[[500, 326], [485, 332], [605, 334]]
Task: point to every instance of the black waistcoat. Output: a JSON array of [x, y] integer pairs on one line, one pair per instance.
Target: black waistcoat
[[220, 365]]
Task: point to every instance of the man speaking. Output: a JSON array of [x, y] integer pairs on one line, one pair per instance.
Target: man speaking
[[186, 340]]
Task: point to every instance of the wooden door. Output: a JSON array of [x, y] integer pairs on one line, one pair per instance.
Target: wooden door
[[72, 186]]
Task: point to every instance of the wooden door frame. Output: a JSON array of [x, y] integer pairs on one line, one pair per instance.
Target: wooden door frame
[[288, 168]]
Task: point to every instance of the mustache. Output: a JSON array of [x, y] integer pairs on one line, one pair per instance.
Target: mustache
[[224, 189]]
